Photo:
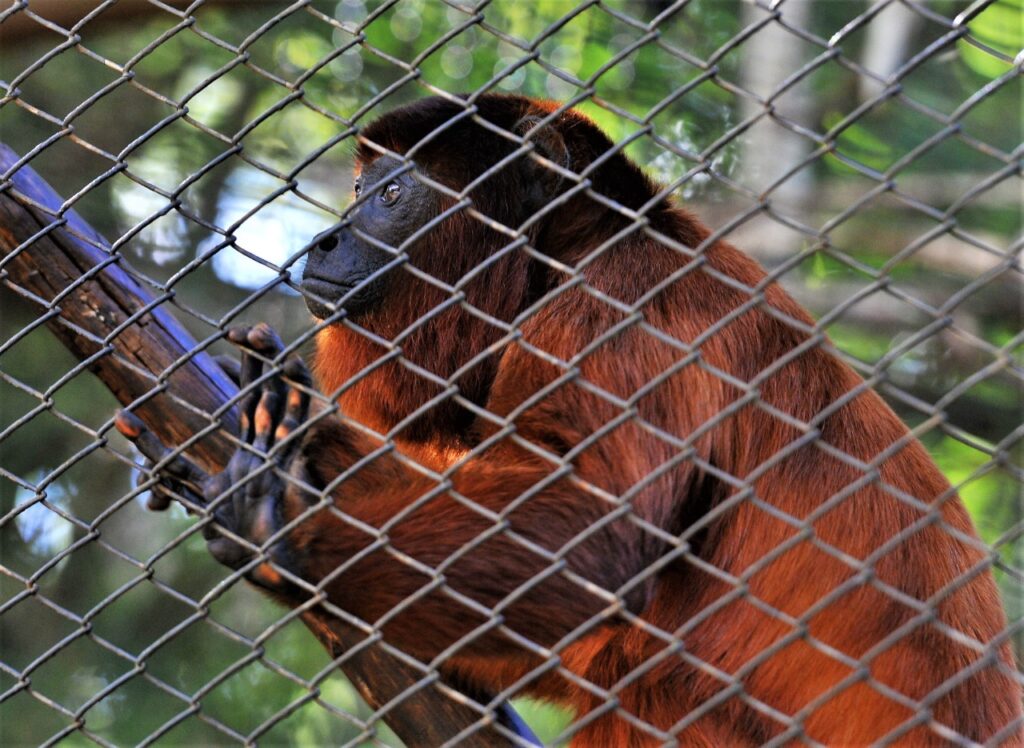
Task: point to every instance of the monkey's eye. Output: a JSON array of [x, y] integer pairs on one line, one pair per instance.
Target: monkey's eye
[[391, 193]]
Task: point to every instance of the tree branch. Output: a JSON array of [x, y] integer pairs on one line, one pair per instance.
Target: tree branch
[[52, 257]]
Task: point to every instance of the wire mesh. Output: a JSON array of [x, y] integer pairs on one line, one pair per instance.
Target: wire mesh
[[868, 155]]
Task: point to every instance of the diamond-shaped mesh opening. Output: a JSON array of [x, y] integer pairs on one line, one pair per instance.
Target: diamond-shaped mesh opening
[[566, 466], [1005, 98]]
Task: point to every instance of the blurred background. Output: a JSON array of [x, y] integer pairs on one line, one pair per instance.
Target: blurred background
[[868, 153]]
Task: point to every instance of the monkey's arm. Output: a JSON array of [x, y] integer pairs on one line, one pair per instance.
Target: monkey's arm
[[308, 504], [259, 498], [435, 562]]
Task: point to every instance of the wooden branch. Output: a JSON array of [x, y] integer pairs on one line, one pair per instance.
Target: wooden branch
[[18, 26], [50, 256]]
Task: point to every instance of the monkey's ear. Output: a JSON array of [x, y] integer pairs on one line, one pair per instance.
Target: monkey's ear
[[549, 143]]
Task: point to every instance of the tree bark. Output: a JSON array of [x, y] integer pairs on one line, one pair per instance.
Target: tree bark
[[21, 20], [770, 56], [86, 296]]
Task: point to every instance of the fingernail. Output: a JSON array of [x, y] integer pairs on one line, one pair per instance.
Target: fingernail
[[129, 424]]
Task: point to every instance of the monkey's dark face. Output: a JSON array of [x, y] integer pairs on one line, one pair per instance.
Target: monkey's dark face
[[347, 266]]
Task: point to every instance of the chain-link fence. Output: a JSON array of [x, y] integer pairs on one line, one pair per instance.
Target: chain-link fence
[[568, 466]]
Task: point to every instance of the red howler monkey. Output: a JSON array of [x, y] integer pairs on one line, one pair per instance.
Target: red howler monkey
[[636, 453]]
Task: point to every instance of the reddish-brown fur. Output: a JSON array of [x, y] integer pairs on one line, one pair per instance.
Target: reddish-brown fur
[[796, 475]]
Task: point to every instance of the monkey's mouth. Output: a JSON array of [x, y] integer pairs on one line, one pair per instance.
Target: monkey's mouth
[[325, 297], [326, 289]]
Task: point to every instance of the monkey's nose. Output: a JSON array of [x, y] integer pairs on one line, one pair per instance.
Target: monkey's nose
[[327, 243]]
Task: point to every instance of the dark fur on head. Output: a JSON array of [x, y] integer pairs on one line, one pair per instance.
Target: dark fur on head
[[447, 144], [455, 148]]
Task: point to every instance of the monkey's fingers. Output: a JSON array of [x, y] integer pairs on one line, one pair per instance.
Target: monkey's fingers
[[268, 415], [296, 408], [166, 491], [262, 340], [249, 371], [175, 465], [230, 365], [281, 409]]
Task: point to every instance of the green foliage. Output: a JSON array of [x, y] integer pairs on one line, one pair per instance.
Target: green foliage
[[858, 142], [1000, 27]]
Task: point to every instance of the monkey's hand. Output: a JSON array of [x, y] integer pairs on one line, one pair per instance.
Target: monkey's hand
[[246, 501]]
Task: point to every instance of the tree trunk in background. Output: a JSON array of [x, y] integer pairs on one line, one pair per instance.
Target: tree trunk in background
[[887, 45], [769, 57]]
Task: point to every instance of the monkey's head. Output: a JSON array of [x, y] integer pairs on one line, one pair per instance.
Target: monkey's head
[[441, 186]]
